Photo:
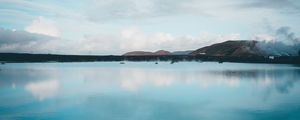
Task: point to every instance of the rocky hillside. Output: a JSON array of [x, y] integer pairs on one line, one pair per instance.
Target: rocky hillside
[[162, 52], [146, 53], [237, 48], [231, 48]]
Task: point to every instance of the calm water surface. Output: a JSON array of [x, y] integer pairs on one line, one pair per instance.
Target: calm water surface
[[145, 91]]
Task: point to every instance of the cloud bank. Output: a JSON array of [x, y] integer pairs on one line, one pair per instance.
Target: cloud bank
[[101, 26], [138, 9], [22, 41], [43, 26], [282, 42], [129, 39]]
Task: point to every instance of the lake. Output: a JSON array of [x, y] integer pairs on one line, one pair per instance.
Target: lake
[[148, 91]]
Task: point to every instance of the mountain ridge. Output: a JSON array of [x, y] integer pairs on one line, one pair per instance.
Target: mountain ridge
[[235, 48], [147, 53], [231, 48]]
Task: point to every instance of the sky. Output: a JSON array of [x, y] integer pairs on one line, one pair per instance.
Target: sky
[[102, 27]]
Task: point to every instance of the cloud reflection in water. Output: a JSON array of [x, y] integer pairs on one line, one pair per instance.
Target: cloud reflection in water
[[43, 89], [133, 79]]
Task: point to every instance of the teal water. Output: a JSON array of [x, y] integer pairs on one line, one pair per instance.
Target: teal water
[[146, 91]]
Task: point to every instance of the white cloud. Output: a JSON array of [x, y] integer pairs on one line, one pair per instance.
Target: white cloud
[[133, 39], [44, 26], [160, 40], [265, 37], [125, 9]]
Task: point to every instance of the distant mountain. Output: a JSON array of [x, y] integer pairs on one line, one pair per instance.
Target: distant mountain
[[146, 53], [162, 52], [231, 48], [236, 48], [138, 53], [187, 52]]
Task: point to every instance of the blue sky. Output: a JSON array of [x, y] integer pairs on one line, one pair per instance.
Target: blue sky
[[118, 26]]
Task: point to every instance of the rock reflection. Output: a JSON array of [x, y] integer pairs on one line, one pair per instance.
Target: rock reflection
[[134, 79], [43, 89], [281, 80]]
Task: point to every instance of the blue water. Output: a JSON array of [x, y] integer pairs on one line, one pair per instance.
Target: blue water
[[146, 91]]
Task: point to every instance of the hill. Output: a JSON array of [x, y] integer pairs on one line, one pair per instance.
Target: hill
[[231, 48], [146, 53]]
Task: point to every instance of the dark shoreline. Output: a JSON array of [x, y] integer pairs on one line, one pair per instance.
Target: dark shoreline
[[30, 58]]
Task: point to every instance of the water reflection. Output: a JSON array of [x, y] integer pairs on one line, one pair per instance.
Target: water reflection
[[143, 91], [281, 79], [43, 89], [135, 78]]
